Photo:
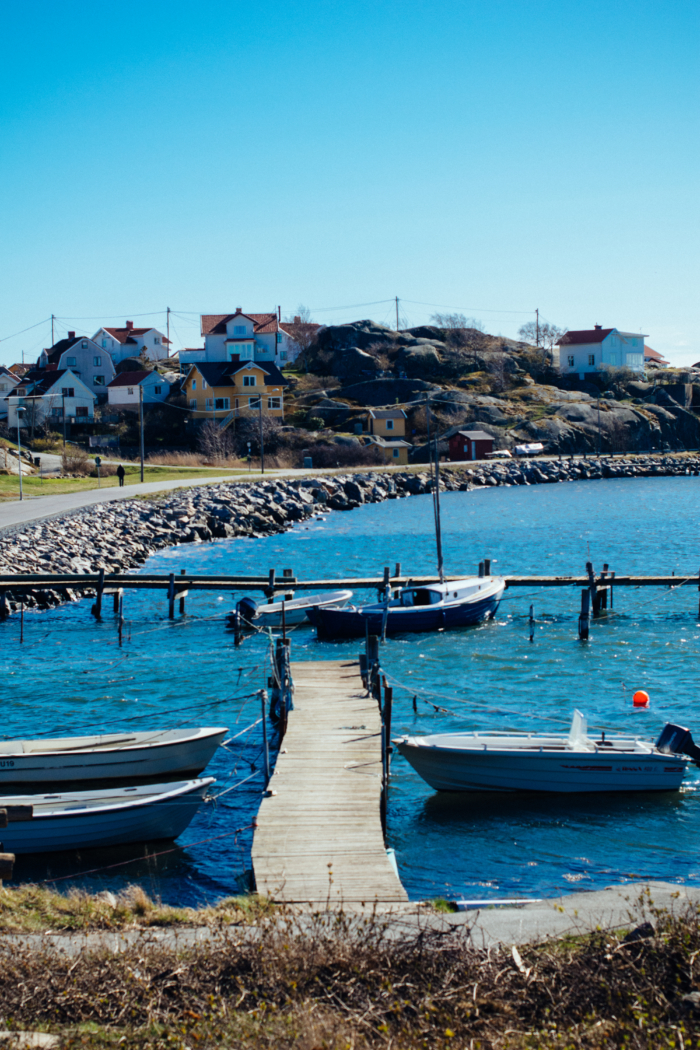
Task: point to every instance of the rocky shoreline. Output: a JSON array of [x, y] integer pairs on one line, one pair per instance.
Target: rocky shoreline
[[119, 536]]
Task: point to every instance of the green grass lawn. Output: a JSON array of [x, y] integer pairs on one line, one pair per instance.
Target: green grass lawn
[[33, 485]]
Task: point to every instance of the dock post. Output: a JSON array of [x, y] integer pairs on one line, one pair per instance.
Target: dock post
[[532, 624], [3, 604], [266, 750], [373, 665], [397, 570], [481, 569], [385, 588], [97, 607], [182, 599], [115, 599], [270, 591], [121, 618], [593, 587], [487, 566], [612, 580], [584, 620], [21, 622], [171, 596]]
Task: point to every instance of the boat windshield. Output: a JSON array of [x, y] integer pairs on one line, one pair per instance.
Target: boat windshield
[[420, 596]]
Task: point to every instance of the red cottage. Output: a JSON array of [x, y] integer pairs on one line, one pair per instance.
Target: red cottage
[[470, 444]]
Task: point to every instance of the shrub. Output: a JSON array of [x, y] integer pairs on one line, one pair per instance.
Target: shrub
[[76, 461], [346, 455], [107, 470]]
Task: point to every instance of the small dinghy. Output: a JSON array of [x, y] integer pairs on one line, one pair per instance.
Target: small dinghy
[[111, 757], [439, 606], [295, 610], [90, 819], [555, 763]]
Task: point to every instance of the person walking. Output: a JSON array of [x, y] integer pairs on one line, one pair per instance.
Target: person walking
[[120, 474]]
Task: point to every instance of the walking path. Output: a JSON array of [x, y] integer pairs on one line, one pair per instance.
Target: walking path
[[319, 835]]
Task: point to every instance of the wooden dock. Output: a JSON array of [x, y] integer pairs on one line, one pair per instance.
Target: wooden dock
[[319, 836]]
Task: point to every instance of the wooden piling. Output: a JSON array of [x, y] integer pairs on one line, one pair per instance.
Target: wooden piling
[[97, 607], [21, 623], [182, 595], [532, 623], [487, 566], [171, 596], [481, 568], [4, 611], [120, 626], [584, 620]]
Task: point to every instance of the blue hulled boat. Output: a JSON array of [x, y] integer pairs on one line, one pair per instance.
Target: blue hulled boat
[[439, 606]]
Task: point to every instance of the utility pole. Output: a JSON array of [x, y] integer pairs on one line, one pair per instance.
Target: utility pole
[[397, 313], [167, 324], [262, 448], [63, 399], [20, 413], [141, 426], [52, 320], [537, 327]]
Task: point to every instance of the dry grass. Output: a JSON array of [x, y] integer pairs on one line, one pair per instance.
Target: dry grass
[[26, 909], [329, 982]]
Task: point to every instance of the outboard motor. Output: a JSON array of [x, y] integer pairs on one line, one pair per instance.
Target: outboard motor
[[676, 740], [247, 608]]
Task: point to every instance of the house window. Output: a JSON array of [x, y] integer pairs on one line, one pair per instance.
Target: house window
[[222, 404], [396, 453], [193, 402], [279, 337], [254, 402], [81, 410], [591, 359], [156, 389], [194, 384], [156, 339], [67, 391], [104, 344], [204, 384], [208, 404], [274, 403], [71, 362], [570, 360], [97, 360], [98, 380], [250, 381], [283, 355], [239, 329], [83, 345], [390, 424]]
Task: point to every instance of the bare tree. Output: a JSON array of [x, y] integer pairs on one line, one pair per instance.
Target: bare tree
[[456, 321], [301, 329], [214, 442], [544, 335]]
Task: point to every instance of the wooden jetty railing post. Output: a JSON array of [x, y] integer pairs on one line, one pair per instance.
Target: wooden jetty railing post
[[386, 751], [97, 607], [281, 683], [373, 683], [21, 623], [270, 590], [121, 619], [487, 566], [532, 623], [266, 749], [182, 595], [171, 597], [584, 620], [481, 568], [593, 585], [4, 611]]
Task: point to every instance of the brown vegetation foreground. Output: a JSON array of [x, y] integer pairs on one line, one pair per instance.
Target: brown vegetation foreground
[[332, 982]]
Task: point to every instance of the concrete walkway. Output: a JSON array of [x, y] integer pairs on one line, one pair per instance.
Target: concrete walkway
[[578, 913]]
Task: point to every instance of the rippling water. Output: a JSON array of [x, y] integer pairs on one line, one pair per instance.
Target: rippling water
[[70, 675]]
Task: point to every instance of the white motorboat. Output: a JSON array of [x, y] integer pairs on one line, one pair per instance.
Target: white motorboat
[[554, 762], [295, 609], [116, 757], [89, 819]]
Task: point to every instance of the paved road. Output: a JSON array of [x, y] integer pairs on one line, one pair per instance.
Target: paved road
[[613, 908]]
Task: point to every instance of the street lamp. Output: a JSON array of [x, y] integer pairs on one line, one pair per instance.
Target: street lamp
[[20, 413]]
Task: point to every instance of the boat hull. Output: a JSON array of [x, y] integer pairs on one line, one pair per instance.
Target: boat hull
[[568, 772], [119, 822], [117, 758], [355, 623]]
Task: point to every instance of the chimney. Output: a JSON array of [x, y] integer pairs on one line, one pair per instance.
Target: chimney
[[129, 325], [597, 327], [71, 335], [297, 319], [238, 310]]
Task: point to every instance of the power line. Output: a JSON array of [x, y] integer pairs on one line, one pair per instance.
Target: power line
[[109, 317], [469, 309], [352, 306], [5, 338]]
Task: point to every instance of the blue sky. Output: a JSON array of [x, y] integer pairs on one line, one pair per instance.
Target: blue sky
[[490, 156]]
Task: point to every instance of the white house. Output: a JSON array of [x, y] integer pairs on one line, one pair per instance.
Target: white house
[[46, 394], [123, 393], [128, 341], [247, 337], [84, 358], [589, 350], [8, 382]]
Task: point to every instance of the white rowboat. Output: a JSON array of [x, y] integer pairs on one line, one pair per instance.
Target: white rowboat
[[122, 757], [555, 762], [295, 610], [90, 819]]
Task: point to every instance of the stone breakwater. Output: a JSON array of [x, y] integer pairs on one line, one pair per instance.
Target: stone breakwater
[[122, 535]]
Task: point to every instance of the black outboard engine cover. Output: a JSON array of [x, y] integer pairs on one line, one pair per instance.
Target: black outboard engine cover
[[676, 740], [247, 609]]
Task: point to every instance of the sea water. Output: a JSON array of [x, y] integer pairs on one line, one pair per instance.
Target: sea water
[[71, 676]]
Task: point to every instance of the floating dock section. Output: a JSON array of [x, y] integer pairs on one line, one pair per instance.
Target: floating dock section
[[319, 836]]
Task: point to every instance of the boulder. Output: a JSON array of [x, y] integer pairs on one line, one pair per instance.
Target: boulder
[[351, 361], [388, 391], [418, 361]]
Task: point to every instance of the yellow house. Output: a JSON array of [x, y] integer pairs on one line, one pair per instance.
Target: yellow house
[[387, 422], [215, 390], [395, 450]]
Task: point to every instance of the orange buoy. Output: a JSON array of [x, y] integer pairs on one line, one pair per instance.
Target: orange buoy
[[640, 699]]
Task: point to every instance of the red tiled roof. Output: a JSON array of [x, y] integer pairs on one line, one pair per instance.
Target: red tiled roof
[[129, 378], [123, 335], [588, 335], [215, 324], [654, 355]]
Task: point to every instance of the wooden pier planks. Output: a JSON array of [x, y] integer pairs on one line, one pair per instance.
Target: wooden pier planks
[[319, 838]]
